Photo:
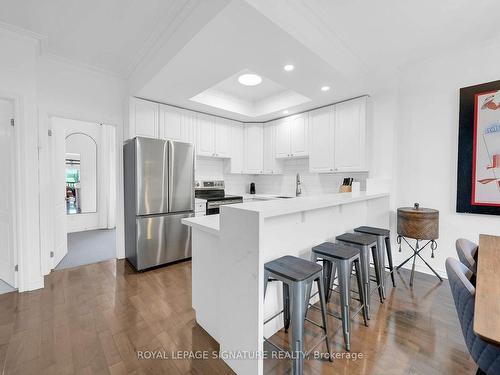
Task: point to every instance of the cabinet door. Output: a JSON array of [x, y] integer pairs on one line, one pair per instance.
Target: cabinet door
[[205, 135], [188, 130], [283, 138], [253, 149], [235, 162], [170, 123], [350, 136], [321, 140], [270, 163], [143, 118], [222, 138], [298, 135]]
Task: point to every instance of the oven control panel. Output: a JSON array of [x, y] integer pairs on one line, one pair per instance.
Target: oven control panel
[[211, 184]]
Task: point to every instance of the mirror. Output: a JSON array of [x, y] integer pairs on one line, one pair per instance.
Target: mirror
[[81, 174]]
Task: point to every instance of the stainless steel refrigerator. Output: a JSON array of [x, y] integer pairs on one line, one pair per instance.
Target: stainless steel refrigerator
[[159, 192]]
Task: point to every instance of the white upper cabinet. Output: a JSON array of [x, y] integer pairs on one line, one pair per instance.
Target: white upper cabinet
[[222, 138], [282, 138], [271, 165], [292, 136], [143, 118], [205, 135], [350, 135], [213, 136], [321, 156], [254, 153], [299, 134], [338, 137], [235, 163], [176, 124]]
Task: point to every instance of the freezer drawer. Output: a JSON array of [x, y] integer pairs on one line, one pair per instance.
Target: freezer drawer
[[162, 239]]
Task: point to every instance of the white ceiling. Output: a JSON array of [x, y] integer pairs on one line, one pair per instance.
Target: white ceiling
[[266, 98], [264, 90], [110, 35], [340, 43], [239, 37]]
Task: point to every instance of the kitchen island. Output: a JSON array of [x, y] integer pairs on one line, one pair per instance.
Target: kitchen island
[[229, 252]]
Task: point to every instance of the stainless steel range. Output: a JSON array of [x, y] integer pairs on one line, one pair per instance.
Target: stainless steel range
[[213, 192]]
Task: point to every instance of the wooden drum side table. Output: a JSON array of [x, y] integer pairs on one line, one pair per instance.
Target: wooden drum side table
[[419, 224]]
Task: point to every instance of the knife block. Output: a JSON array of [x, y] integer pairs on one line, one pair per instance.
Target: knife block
[[345, 189]]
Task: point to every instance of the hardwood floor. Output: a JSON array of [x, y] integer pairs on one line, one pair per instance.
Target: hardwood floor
[[94, 319]]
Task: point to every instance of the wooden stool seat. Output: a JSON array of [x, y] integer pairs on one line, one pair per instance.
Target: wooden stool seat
[[292, 268], [335, 250]]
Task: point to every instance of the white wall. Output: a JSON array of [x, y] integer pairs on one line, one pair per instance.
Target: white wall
[[70, 91], [427, 140], [282, 184]]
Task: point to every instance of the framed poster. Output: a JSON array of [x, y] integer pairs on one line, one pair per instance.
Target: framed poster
[[478, 184]]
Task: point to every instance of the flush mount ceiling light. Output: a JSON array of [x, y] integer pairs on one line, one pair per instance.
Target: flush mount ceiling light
[[289, 67], [325, 88], [250, 79]]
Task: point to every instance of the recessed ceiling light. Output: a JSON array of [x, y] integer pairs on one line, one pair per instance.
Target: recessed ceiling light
[[325, 88], [285, 112], [289, 67], [249, 79]]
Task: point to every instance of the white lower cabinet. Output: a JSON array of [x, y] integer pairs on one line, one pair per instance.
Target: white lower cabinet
[[271, 165], [254, 153]]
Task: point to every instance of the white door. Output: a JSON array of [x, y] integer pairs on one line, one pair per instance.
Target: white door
[[298, 135], [170, 123], [144, 118], [58, 155], [254, 149], [283, 138], [205, 135], [7, 252], [237, 146], [350, 133], [321, 140], [222, 138]]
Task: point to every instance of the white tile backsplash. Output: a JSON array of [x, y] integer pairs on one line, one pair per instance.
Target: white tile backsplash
[[283, 184]]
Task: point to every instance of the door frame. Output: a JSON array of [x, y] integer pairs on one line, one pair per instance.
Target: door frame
[[44, 124], [15, 100]]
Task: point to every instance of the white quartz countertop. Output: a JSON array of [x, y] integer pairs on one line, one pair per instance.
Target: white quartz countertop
[[277, 207], [208, 223]]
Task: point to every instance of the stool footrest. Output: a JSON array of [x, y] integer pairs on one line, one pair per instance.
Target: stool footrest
[[274, 316]]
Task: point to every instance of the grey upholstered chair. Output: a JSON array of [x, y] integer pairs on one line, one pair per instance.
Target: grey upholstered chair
[[486, 356], [467, 253]]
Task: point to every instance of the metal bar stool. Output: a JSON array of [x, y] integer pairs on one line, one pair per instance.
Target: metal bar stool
[[297, 274], [383, 240], [341, 258], [365, 242]]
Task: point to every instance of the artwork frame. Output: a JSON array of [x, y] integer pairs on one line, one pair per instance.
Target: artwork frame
[[478, 175]]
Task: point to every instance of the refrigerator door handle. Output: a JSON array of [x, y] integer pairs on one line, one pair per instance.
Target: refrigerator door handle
[[170, 181]]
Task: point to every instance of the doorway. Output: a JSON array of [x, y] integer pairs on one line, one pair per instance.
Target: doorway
[[8, 253], [83, 158]]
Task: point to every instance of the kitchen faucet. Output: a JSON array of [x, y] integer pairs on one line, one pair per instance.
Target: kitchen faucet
[[298, 186]]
